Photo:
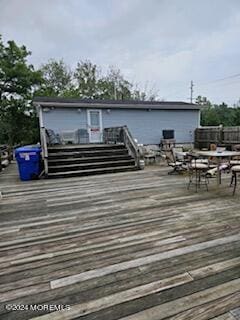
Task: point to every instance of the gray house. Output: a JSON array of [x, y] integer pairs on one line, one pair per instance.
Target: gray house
[[83, 121], [83, 137]]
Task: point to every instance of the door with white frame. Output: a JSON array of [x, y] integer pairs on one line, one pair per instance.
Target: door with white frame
[[94, 117]]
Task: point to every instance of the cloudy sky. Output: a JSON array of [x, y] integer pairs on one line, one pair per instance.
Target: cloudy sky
[[160, 44]]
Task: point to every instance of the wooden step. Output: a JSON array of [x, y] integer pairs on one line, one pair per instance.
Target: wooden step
[[91, 171], [86, 166], [90, 159], [84, 147], [77, 160], [89, 153]]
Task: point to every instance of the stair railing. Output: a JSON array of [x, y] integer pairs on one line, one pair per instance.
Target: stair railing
[[118, 135], [131, 145], [43, 136]]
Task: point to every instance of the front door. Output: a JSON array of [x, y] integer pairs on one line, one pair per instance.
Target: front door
[[95, 126]]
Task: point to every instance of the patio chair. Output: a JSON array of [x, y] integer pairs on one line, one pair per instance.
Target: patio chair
[[177, 166], [213, 169], [53, 138], [197, 170], [235, 172], [177, 151], [150, 155], [236, 160], [213, 164]]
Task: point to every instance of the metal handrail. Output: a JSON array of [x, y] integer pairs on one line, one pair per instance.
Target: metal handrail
[[43, 137]]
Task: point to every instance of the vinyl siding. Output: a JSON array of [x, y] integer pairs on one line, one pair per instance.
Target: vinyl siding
[[61, 119], [146, 126]]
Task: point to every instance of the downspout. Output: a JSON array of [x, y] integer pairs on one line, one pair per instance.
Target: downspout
[[40, 116]]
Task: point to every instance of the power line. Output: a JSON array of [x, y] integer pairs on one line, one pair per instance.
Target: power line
[[220, 79], [177, 92], [229, 77]]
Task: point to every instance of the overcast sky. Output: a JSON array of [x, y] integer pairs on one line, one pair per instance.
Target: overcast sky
[[159, 44]]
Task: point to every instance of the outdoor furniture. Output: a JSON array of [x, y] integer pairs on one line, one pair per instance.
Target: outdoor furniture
[[219, 156], [179, 154], [197, 170], [235, 160], [167, 144], [5, 156], [178, 166], [53, 138], [213, 169], [149, 153], [150, 157], [235, 172], [83, 136]]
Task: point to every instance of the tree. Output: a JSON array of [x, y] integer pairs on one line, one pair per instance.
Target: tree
[[115, 87], [57, 79], [203, 101], [88, 82], [18, 80], [214, 114], [86, 76], [92, 84], [208, 114]]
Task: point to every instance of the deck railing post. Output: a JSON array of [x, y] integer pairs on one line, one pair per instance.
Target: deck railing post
[[221, 134], [43, 136]]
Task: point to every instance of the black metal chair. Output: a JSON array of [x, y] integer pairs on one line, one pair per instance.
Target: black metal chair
[[235, 172]]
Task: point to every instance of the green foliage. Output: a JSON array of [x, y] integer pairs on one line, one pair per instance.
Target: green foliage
[[236, 116], [57, 79], [114, 86], [86, 76], [214, 115], [18, 80], [87, 82]]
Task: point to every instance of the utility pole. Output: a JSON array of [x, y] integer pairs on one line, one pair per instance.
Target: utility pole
[[191, 91]]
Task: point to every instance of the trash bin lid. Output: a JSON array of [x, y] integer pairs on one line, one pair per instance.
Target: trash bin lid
[[29, 148]]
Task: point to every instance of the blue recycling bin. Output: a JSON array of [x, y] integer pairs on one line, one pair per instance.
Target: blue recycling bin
[[29, 162]]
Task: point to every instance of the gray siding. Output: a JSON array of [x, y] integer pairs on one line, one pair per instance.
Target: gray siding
[[61, 119], [146, 126]]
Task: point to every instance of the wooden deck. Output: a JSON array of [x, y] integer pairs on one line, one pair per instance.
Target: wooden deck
[[132, 246]]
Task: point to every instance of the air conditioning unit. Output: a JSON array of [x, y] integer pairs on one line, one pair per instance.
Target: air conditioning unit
[[69, 137]]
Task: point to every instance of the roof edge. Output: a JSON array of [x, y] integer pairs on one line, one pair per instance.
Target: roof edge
[[78, 103]]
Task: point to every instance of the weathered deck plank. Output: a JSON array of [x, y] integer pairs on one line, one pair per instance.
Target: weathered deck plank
[[133, 245]]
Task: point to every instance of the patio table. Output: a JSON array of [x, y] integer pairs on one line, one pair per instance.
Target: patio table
[[219, 155]]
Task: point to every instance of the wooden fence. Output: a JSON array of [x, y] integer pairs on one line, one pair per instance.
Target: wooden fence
[[227, 136]]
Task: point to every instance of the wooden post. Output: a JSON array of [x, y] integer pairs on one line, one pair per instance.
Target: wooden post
[[221, 137]]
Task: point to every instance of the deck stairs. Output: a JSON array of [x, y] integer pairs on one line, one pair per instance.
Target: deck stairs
[[88, 159]]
